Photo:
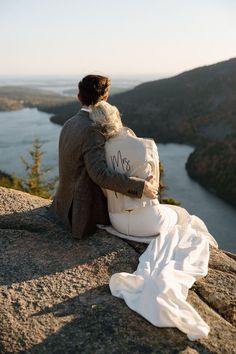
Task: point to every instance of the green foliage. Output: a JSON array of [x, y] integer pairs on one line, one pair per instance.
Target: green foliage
[[163, 187], [35, 182], [171, 201], [10, 181]]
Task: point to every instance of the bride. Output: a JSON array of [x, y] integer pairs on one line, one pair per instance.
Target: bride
[[178, 250]]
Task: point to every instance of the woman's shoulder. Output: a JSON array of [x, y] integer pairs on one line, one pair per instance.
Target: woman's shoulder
[[149, 142], [129, 131], [123, 133], [127, 135]]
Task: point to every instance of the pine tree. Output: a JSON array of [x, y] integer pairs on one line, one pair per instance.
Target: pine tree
[[36, 183]]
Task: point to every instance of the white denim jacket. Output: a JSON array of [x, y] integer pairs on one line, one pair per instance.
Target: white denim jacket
[[138, 157]]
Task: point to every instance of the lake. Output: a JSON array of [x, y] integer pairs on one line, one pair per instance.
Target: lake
[[19, 129]]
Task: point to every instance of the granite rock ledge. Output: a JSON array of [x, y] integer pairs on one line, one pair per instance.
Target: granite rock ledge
[[55, 298]]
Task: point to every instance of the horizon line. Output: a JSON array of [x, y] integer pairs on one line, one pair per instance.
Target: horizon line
[[121, 75]]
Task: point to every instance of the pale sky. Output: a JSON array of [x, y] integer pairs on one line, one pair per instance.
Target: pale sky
[[114, 37]]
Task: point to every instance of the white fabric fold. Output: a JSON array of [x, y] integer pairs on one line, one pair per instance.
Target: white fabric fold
[[158, 288]]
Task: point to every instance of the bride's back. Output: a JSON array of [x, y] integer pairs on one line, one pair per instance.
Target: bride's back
[[137, 157]]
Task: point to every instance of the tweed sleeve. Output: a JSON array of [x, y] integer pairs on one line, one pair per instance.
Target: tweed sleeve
[[93, 149]]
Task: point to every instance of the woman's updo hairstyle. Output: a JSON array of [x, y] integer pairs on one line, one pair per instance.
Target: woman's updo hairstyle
[[107, 119], [93, 88]]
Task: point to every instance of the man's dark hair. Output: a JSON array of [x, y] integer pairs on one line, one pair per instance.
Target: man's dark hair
[[92, 89]]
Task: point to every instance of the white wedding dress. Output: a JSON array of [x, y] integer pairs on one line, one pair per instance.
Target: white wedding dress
[[177, 254]]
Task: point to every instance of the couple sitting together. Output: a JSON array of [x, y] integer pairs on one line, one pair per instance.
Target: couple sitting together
[[109, 175]]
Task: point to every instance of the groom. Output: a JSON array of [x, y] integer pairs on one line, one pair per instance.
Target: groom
[[79, 202]]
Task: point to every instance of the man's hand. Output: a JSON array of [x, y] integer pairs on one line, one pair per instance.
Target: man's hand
[[150, 188]]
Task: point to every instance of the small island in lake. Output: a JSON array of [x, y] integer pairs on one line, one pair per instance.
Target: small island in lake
[[17, 97]]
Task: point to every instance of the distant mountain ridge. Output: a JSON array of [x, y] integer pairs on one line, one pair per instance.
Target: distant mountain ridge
[[191, 107], [17, 97], [184, 107]]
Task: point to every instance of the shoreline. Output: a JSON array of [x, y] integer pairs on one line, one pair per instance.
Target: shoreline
[[54, 120]]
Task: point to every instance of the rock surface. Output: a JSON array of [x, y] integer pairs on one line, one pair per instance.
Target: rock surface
[[55, 298]]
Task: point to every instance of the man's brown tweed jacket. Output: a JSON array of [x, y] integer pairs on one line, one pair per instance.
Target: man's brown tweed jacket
[[79, 202]]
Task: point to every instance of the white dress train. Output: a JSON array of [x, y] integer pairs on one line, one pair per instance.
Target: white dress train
[[172, 262]]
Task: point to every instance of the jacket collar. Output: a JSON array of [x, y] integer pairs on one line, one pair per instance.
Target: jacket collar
[[84, 109], [83, 113]]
